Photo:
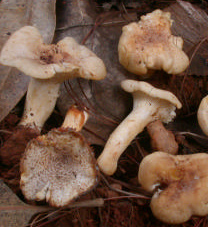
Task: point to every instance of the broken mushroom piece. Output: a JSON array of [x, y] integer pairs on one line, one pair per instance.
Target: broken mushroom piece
[[149, 104], [179, 184], [149, 45], [59, 166], [161, 138], [202, 115], [48, 65]]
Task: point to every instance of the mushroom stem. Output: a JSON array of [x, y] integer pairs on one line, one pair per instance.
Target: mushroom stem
[[161, 138], [149, 104], [122, 136], [40, 102], [75, 119]]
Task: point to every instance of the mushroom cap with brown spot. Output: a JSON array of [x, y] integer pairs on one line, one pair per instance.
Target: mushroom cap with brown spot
[[133, 86], [179, 184], [58, 167], [149, 45], [26, 51]]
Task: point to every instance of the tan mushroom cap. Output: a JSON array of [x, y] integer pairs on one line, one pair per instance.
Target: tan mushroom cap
[[132, 86], [26, 51], [179, 184], [202, 115], [57, 167], [149, 45], [167, 101]]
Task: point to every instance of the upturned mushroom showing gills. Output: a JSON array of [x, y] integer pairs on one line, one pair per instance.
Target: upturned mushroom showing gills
[[149, 45], [202, 115], [59, 166], [179, 184], [48, 66], [149, 104]]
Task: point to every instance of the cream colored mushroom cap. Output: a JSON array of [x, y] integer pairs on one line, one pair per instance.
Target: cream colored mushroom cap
[[132, 86], [179, 184], [149, 45], [26, 51], [202, 115]]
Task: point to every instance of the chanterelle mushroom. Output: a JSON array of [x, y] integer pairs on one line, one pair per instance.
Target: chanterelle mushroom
[[149, 45], [179, 184], [48, 65], [202, 115], [149, 104], [59, 166]]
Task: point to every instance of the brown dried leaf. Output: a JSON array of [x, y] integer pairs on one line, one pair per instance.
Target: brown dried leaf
[[13, 212], [13, 15]]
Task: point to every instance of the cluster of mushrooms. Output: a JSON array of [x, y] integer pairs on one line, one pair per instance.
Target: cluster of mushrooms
[[60, 166]]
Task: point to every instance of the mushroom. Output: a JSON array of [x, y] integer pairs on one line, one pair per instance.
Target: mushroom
[[161, 138], [179, 184], [59, 166], [149, 104], [149, 45], [202, 115], [48, 66]]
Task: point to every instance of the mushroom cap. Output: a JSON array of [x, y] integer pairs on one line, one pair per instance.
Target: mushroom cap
[[132, 86], [179, 184], [149, 45], [202, 115], [26, 51], [165, 102], [57, 167]]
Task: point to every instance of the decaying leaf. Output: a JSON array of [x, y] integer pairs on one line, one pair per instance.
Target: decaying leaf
[[13, 212], [13, 15], [106, 96], [191, 23]]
